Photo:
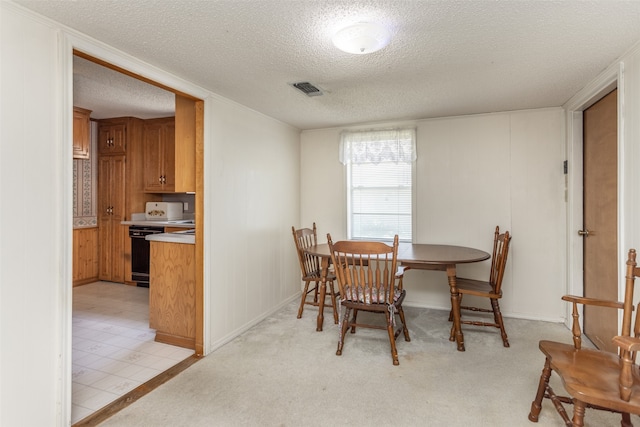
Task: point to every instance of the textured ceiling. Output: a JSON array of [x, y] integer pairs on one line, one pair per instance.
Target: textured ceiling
[[446, 57]]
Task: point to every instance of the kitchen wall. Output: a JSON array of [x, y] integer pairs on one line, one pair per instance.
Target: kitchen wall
[[472, 173]]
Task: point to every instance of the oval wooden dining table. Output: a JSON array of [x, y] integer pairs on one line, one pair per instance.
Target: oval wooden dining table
[[418, 256]]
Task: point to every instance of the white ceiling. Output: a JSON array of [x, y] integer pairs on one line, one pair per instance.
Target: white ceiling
[[446, 57]]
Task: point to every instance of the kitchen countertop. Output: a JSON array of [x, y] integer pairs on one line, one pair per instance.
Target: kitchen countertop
[[187, 237]]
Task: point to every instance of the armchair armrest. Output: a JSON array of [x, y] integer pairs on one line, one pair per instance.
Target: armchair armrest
[[628, 347], [592, 301], [628, 344], [575, 300]]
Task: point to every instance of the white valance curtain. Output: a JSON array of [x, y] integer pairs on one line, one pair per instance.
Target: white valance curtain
[[378, 146]]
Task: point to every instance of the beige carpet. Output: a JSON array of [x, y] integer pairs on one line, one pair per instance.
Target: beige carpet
[[284, 373]]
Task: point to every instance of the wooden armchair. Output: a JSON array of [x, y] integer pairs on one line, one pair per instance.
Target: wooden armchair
[[595, 378], [369, 280], [491, 289], [310, 266]]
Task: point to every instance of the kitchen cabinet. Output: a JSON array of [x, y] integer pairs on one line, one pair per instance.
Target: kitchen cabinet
[[85, 255], [159, 155], [111, 205], [172, 293], [170, 150], [112, 138], [81, 133], [120, 193]]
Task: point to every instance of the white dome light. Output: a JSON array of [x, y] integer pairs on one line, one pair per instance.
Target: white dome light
[[362, 38]]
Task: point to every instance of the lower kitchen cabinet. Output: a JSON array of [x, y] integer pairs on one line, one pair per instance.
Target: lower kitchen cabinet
[[85, 255], [172, 293]]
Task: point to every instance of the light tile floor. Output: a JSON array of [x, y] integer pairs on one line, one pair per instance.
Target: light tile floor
[[113, 348]]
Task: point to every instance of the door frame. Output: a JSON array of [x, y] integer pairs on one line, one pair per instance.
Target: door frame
[[611, 78], [68, 41]]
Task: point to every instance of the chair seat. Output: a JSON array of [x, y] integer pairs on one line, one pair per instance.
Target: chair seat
[[476, 287], [358, 294], [592, 375], [317, 275]]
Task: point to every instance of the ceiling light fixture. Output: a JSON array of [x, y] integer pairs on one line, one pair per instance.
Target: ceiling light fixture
[[362, 38]]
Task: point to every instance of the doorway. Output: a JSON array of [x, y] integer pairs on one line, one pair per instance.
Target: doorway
[[197, 165], [600, 213]]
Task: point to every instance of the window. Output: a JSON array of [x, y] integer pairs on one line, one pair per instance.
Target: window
[[379, 183]]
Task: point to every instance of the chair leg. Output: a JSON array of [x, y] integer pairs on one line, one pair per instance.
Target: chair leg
[[536, 405], [405, 331], [578, 413], [353, 321], [497, 316], [343, 330], [333, 302], [316, 292], [626, 420], [392, 338], [303, 299]]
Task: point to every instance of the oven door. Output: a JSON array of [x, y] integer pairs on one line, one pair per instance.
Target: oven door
[[140, 251]]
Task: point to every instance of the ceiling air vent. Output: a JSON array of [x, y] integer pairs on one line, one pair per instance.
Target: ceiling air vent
[[307, 88]]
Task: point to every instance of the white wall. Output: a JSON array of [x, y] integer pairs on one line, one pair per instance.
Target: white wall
[[251, 201], [34, 234], [254, 187], [473, 173]]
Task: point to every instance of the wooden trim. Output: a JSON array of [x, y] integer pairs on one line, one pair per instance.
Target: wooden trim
[[129, 73], [200, 224], [167, 338], [140, 391], [185, 145]]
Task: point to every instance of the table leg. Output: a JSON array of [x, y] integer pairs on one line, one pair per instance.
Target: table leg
[[455, 307], [324, 265]]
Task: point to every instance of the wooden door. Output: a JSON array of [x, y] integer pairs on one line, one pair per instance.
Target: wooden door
[[600, 226]]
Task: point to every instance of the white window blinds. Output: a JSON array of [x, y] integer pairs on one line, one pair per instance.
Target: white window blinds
[[379, 182]]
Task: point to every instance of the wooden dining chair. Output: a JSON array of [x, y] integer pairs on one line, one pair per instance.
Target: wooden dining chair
[[369, 280], [310, 267], [491, 289], [594, 378]]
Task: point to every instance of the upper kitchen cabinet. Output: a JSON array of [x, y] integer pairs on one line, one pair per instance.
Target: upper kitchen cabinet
[[81, 133], [170, 150], [112, 138], [159, 155]]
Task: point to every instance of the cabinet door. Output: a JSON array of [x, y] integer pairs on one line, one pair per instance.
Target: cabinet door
[[105, 252], [153, 153], [112, 139], [81, 133], [111, 201], [169, 156], [104, 186], [159, 156]]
